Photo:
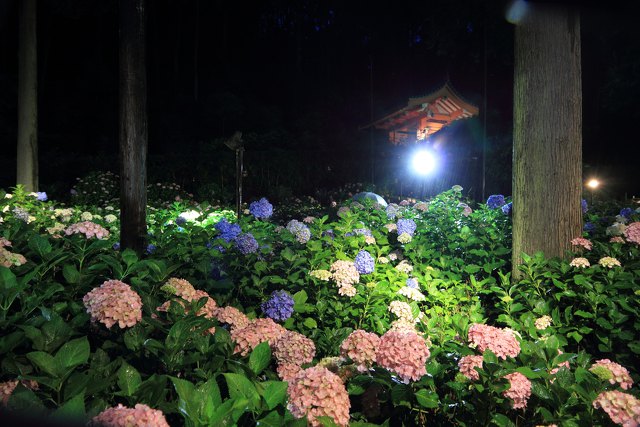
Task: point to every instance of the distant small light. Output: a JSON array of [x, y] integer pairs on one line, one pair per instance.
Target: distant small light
[[423, 162], [516, 11], [593, 184]]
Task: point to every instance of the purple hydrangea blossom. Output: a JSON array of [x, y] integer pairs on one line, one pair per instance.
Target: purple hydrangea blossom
[[584, 206], [261, 209], [392, 210], [41, 196], [246, 243], [495, 201], [406, 226], [150, 249], [116, 246], [626, 212], [412, 283], [227, 230], [364, 262], [589, 227], [279, 307], [300, 230], [506, 209], [360, 232], [181, 220]]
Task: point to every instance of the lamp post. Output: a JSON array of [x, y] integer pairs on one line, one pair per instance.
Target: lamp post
[[423, 163], [593, 184], [237, 144]]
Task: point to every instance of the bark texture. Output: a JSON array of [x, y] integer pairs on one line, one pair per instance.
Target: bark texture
[[27, 158], [133, 126], [547, 139]]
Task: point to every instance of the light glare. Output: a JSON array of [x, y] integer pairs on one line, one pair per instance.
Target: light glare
[[593, 184], [423, 162]]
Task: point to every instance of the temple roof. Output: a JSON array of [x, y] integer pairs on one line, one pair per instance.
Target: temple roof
[[425, 115]]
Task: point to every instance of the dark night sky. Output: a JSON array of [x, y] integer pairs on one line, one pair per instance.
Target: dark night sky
[[300, 70]]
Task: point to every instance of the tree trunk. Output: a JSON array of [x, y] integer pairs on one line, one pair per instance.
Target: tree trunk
[[133, 126], [547, 135], [27, 158]]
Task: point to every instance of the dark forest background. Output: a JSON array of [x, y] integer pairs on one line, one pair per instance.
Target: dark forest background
[[299, 79]]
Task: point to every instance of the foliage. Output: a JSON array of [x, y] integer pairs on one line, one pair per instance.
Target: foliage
[[439, 281]]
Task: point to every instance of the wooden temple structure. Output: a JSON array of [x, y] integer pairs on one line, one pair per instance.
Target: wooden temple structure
[[423, 116]]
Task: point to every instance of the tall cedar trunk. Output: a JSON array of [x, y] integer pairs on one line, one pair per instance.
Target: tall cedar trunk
[[27, 159], [133, 126], [547, 135]]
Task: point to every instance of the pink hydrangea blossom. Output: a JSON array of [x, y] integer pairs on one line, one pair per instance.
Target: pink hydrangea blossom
[[467, 365], [114, 302], [189, 294], [7, 388], [519, 390], [88, 229], [579, 262], [632, 233], [616, 373], [583, 243], [288, 371], [622, 408], [257, 331], [317, 392], [501, 342], [9, 259], [179, 287], [232, 316], [360, 346], [555, 370], [403, 352], [294, 348], [616, 239], [121, 416]]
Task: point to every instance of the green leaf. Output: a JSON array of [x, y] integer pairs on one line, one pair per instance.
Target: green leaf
[[300, 297], [186, 391], [584, 314], [71, 274], [502, 420], [129, 257], [260, 357], [272, 419], [542, 391], [129, 379], [74, 353], [529, 373], [275, 393], [240, 387], [39, 245], [401, 394], [310, 323], [208, 398], [427, 398], [72, 410], [471, 268], [46, 362]]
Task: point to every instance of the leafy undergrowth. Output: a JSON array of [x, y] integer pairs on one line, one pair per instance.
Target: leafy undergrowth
[[366, 315]]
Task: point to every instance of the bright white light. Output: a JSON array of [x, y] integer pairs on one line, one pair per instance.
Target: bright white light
[[423, 162], [593, 184], [190, 215]]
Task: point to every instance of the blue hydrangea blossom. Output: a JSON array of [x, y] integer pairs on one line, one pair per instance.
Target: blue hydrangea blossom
[[412, 283], [279, 307], [626, 212], [364, 262], [300, 230], [227, 230], [261, 209], [495, 201], [506, 209], [246, 243], [406, 226]]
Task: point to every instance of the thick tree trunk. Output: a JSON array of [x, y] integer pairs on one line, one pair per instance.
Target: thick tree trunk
[[547, 135], [27, 159], [133, 126]]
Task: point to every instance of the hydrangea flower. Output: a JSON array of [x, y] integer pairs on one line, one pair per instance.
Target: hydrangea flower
[[412, 283], [626, 212], [228, 231], [323, 275], [294, 348], [139, 416], [404, 353], [412, 293], [616, 239], [150, 249], [344, 273], [7, 388], [41, 196], [404, 238], [582, 243], [579, 262], [632, 233], [299, 230], [519, 390], [257, 331], [360, 346], [364, 262], [114, 302], [317, 392], [501, 342], [246, 243], [406, 226], [231, 316], [466, 210], [403, 266], [288, 371], [506, 209], [622, 408], [261, 209], [609, 262], [88, 229], [495, 201], [180, 220], [10, 259], [543, 322], [179, 287], [392, 210], [584, 206], [343, 210], [612, 372], [402, 310], [279, 307], [589, 227], [467, 365]]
